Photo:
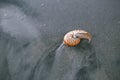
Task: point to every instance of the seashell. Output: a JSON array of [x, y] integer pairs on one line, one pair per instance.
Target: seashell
[[74, 37]]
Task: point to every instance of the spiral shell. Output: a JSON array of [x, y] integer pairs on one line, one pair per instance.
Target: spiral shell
[[73, 38]]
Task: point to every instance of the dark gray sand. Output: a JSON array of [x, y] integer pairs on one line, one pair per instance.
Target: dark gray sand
[[31, 36]]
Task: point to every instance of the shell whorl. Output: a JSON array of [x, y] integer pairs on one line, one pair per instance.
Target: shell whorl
[[73, 38]]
